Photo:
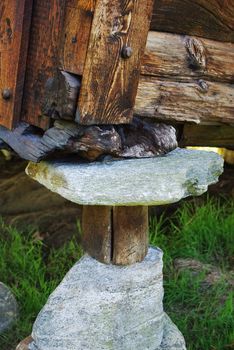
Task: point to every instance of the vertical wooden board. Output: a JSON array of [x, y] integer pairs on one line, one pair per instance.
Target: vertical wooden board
[[97, 232], [130, 234], [110, 81], [75, 37], [15, 19], [43, 57]]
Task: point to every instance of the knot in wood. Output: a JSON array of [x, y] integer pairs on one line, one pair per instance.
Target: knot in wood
[[196, 52]]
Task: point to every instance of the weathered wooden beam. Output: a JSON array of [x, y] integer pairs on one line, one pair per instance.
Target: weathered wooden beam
[[15, 19], [199, 101], [112, 67], [208, 135], [210, 19], [182, 57], [43, 57], [97, 232], [75, 36], [60, 96], [130, 238], [139, 140]]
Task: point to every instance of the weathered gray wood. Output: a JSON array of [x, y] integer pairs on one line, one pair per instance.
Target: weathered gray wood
[[97, 232], [183, 57], [140, 139], [130, 238], [60, 97], [199, 101]]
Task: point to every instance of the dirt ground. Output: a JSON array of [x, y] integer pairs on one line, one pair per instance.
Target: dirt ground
[[25, 202]]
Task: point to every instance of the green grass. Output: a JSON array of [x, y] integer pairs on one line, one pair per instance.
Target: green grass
[[32, 273], [203, 313]]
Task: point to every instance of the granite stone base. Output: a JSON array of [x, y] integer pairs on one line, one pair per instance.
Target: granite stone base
[[108, 307]]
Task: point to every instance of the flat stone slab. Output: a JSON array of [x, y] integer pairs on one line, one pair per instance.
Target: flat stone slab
[[108, 307], [148, 181]]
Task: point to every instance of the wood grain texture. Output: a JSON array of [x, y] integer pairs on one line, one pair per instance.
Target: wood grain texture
[[138, 140], [208, 135], [130, 227], [212, 19], [199, 101], [60, 96], [182, 57], [110, 81], [15, 19], [75, 36], [43, 57], [97, 232]]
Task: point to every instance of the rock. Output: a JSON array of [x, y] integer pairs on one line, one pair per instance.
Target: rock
[[151, 181], [107, 307], [172, 337], [8, 308]]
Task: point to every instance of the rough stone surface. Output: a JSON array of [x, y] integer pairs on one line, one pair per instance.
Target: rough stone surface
[[8, 308], [105, 307], [151, 181], [172, 337]]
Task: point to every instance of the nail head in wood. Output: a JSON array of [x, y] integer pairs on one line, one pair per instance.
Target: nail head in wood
[[126, 52], [6, 94]]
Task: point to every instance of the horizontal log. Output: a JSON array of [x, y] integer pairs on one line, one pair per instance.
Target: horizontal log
[[204, 135], [199, 101], [171, 55], [210, 19]]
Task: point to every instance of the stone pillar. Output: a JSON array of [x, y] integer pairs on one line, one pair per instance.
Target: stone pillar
[[100, 305]]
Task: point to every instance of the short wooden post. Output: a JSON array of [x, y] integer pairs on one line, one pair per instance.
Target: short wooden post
[[117, 235], [97, 232], [130, 239]]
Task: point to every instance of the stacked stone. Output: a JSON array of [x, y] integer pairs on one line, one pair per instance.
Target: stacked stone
[[104, 306]]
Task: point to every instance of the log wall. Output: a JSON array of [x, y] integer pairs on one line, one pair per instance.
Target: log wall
[[212, 19], [186, 79]]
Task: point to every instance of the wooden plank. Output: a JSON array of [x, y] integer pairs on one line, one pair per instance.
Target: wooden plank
[[200, 101], [15, 19], [110, 81], [75, 37], [212, 19], [180, 57], [137, 140], [97, 232], [208, 135], [130, 227], [43, 57]]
